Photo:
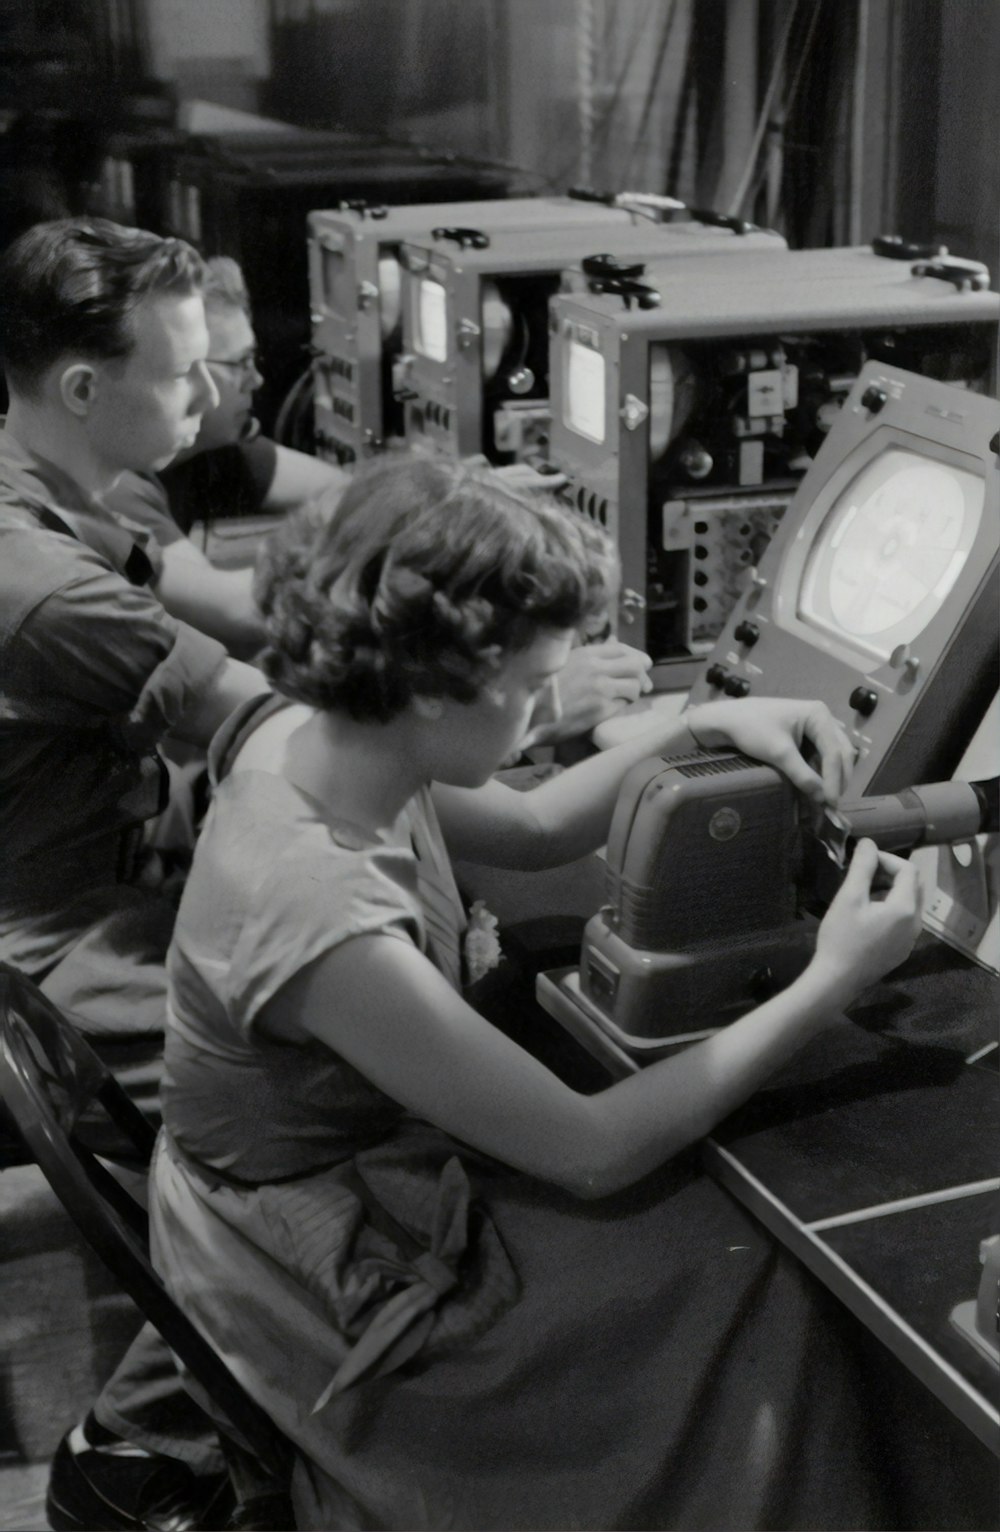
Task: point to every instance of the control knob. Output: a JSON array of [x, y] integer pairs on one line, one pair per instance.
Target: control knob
[[864, 701], [874, 399], [746, 632]]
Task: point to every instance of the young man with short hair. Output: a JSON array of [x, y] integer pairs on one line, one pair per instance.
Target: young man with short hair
[[105, 347], [229, 470]]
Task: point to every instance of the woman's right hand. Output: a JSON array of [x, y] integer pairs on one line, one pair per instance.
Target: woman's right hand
[[862, 937]]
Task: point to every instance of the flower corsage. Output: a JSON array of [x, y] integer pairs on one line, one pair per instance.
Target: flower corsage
[[481, 947]]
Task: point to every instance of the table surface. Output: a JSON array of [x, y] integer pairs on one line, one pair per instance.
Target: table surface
[[874, 1156]]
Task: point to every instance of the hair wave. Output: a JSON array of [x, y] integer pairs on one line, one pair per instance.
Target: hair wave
[[420, 580], [70, 286]]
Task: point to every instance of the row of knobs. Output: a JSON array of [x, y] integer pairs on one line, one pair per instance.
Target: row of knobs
[[746, 633], [863, 699]]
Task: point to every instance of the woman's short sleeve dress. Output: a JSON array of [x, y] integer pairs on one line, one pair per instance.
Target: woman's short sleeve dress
[[449, 1343]]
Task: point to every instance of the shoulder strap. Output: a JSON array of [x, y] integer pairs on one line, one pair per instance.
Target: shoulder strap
[[237, 730]]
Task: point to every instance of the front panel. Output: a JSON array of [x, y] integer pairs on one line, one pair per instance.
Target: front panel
[[355, 301], [475, 323], [685, 429], [879, 591]]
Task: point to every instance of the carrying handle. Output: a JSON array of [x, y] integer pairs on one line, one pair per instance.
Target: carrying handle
[[465, 239]]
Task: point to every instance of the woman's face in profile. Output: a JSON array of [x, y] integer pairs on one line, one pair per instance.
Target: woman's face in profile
[[475, 738]]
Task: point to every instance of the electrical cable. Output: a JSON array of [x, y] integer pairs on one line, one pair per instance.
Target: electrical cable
[[739, 196], [607, 112], [296, 401], [654, 80], [785, 110], [605, 117], [585, 58], [857, 159], [678, 138]]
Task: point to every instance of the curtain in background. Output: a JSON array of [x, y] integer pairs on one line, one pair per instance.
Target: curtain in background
[[121, 38], [854, 118], [422, 69]]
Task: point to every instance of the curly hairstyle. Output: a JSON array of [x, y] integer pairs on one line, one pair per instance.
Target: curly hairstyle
[[420, 580], [72, 284]]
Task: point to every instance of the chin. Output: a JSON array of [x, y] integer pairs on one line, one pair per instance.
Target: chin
[[163, 461], [466, 776]]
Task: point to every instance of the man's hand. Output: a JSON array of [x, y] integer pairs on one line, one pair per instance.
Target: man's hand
[[520, 478], [597, 681]]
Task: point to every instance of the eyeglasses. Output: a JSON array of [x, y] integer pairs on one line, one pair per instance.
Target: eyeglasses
[[246, 366]]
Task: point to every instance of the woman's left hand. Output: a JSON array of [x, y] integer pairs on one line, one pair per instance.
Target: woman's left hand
[[774, 730]]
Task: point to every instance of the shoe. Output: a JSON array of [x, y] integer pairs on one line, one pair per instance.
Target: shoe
[[94, 1491]]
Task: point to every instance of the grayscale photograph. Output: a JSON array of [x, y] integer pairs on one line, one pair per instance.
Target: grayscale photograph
[[499, 765]]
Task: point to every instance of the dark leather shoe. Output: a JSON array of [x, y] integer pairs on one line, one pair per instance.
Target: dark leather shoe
[[100, 1492]]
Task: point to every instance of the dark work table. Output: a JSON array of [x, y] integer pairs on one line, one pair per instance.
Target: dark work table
[[874, 1156]]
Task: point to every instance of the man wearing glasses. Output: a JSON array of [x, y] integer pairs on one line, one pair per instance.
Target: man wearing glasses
[[232, 469], [229, 470], [105, 351]]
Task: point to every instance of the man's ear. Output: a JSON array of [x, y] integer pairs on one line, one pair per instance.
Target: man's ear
[[427, 707], [78, 387]]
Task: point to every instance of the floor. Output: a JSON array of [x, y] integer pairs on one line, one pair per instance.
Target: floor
[[22, 1497]]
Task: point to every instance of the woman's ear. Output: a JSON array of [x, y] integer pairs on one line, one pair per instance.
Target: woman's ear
[[429, 708], [78, 388]]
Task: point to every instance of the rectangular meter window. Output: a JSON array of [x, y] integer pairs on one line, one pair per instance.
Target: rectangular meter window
[[583, 411], [338, 291], [890, 549], [432, 321]]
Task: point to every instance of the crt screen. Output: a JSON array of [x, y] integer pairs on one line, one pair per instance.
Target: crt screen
[[432, 321], [890, 549], [583, 411]]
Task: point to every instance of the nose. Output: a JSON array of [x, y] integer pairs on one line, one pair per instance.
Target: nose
[[254, 378], [206, 395]]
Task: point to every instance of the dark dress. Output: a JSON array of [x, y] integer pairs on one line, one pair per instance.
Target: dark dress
[[451, 1343]]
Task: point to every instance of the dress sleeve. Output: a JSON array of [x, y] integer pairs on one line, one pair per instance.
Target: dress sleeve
[[316, 898], [108, 650]]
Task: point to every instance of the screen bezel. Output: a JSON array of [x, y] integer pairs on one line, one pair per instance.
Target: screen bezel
[[815, 598], [787, 582]]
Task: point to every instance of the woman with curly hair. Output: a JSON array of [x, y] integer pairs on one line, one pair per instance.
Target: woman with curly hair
[[470, 1295]]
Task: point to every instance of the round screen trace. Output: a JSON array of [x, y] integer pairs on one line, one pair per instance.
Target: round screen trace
[[890, 549]]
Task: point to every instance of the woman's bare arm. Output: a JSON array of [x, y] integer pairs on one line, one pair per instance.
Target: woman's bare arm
[[382, 1006], [570, 814]]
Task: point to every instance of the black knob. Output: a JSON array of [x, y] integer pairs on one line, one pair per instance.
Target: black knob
[[736, 686], [605, 265], [465, 239], [746, 632], [864, 701], [716, 674], [874, 398], [995, 444]]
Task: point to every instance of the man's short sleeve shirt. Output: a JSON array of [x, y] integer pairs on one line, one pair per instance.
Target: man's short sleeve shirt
[[93, 672]]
